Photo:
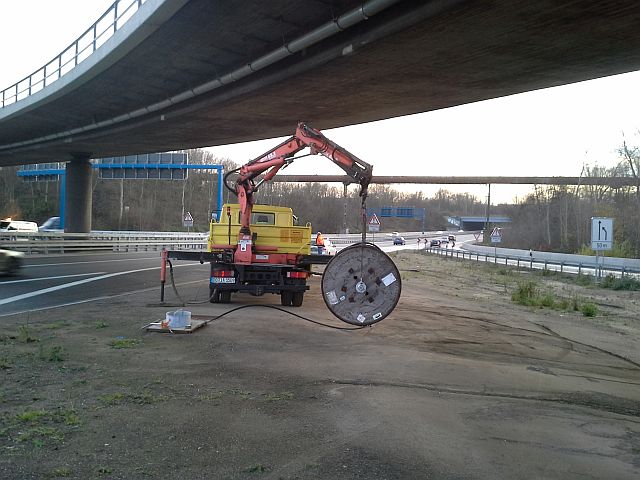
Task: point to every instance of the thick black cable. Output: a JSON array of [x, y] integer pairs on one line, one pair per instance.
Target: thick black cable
[[273, 307], [184, 304]]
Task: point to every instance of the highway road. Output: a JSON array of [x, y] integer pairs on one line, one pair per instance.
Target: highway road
[[61, 280]]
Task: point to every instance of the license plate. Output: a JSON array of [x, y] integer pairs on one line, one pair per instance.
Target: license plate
[[223, 280]]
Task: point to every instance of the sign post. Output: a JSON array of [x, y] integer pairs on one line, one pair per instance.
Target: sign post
[[496, 237], [601, 238], [374, 226]]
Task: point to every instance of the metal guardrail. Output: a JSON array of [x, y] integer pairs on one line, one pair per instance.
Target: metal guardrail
[[46, 242], [579, 268], [87, 43]]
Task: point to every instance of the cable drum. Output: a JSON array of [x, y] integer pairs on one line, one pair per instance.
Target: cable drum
[[361, 285]]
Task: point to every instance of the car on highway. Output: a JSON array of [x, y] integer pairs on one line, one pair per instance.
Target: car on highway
[[398, 240], [444, 241], [15, 226], [52, 224], [434, 243], [10, 261], [452, 238]]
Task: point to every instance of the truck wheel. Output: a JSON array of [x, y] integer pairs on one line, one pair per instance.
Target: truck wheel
[[298, 297], [215, 297], [286, 298], [225, 296]]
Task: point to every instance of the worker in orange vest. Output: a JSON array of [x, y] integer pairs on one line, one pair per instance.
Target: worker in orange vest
[[320, 243]]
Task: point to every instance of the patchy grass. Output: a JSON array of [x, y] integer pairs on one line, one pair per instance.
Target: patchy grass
[[589, 309], [120, 342], [239, 393], [210, 397], [40, 436], [5, 363], [26, 335], [60, 472], [30, 416], [101, 324], [584, 280], [277, 397], [120, 398], [56, 325], [54, 353], [526, 293], [530, 295], [625, 283], [256, 469], [38, 428]]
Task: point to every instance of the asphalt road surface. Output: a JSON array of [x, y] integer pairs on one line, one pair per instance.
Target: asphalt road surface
[[62, 280]]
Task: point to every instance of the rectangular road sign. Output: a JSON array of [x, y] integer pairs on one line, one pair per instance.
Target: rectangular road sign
[[601, 233], [161, 166]]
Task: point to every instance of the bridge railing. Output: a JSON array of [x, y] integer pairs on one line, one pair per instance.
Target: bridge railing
[[87, 43]]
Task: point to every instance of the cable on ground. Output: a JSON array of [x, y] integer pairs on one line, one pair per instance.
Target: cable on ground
[[184, 304]]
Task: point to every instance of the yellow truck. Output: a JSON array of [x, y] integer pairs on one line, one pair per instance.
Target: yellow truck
[[281, 255], [282, 260]]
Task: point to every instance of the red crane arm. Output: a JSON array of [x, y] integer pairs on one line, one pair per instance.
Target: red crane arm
[[273, 160]]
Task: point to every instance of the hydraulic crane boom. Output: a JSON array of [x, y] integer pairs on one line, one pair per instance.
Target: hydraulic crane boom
[[272, 161]]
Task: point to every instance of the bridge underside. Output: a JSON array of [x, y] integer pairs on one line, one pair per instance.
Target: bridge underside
[[406, 59]]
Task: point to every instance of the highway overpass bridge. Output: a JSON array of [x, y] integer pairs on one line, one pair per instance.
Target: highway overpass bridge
[[189, 73]]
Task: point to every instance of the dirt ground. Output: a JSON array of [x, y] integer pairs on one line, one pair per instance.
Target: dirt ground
[[459, 382]]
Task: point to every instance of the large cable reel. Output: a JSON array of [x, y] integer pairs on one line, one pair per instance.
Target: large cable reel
[[361, 285]]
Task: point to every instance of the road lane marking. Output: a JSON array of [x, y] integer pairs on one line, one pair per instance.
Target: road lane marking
[[92, 261], [52, 278], [94, 299], [36, 293]]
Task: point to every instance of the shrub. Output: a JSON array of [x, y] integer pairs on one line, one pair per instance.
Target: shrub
[[589, 309], [525, 294], [583, 280], [624, 283]]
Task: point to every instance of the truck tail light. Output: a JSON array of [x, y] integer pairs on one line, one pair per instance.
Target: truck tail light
[[297, 274], [223, 273]]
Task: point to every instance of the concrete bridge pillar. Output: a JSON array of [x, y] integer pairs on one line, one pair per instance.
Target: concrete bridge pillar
[[79, 196]]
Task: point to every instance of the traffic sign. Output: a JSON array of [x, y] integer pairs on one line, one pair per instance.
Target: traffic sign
[[496, 236], [374, 223], [187, 220], [601, 233]]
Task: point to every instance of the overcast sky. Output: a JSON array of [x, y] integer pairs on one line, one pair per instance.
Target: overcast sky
[[546, 132]]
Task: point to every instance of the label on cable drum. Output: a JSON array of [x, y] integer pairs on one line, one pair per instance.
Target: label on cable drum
[[388, 279]]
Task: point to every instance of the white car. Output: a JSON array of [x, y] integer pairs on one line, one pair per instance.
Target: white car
[[15, 226]]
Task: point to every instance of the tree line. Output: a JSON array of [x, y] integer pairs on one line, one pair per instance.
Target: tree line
[[558, 218], [553, 218]]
